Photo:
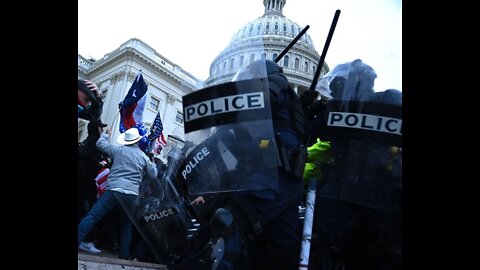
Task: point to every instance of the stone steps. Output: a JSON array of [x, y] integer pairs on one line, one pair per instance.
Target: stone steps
[[95, 262]]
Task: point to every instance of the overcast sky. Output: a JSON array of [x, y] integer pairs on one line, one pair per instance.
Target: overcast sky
[[191, 33]]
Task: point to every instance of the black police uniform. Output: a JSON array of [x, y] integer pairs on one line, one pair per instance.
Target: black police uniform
[[278, 246], [357, 218]]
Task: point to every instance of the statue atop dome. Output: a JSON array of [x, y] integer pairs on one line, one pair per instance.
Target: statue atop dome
[[274, 6]]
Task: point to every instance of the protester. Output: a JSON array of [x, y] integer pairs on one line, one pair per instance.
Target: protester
[[90, 161], [90, 102], [129, 164]]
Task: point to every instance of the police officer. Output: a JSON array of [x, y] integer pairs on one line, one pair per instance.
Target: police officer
[[357, 220], [274, 210]]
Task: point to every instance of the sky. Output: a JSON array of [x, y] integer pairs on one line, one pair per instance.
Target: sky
[[191, 33]]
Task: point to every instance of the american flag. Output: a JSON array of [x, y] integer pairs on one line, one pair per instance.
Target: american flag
[[101, 181], [155, 138], [160, 143]]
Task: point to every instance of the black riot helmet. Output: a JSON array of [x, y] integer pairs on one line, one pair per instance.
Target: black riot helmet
[[272, 67], [389, 96]]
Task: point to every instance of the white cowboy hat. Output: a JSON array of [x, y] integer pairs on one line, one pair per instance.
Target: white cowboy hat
[[130, 136]]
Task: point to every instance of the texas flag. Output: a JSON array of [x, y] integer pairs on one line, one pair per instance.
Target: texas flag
[[132, 107]]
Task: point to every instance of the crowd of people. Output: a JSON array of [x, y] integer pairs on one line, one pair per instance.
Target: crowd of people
[[358, 215]]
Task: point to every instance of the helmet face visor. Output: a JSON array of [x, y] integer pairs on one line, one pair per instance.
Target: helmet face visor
[[345, 79], [255, 70]]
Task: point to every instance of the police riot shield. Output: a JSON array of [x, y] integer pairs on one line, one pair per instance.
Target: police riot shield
[[234, 148], [230, 125], [365, 130], [160, 212]]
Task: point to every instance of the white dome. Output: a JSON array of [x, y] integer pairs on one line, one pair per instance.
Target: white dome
[[276, 31], [272, 24]]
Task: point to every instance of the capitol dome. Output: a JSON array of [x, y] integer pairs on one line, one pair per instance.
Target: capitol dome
[[275, 32]]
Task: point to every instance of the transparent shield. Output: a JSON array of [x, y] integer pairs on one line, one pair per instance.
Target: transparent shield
[[365, 130], [230, 126], [163, 222], [160, 213]]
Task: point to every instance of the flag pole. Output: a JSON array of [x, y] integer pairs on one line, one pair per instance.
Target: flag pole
[[308, 224], [115, 120], [313, 182], [125, 85]]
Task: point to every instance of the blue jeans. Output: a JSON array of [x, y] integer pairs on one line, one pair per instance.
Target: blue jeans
[[105, 204]]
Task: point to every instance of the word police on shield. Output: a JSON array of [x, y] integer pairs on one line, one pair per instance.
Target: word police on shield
[[365, 121], [240, 102]]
